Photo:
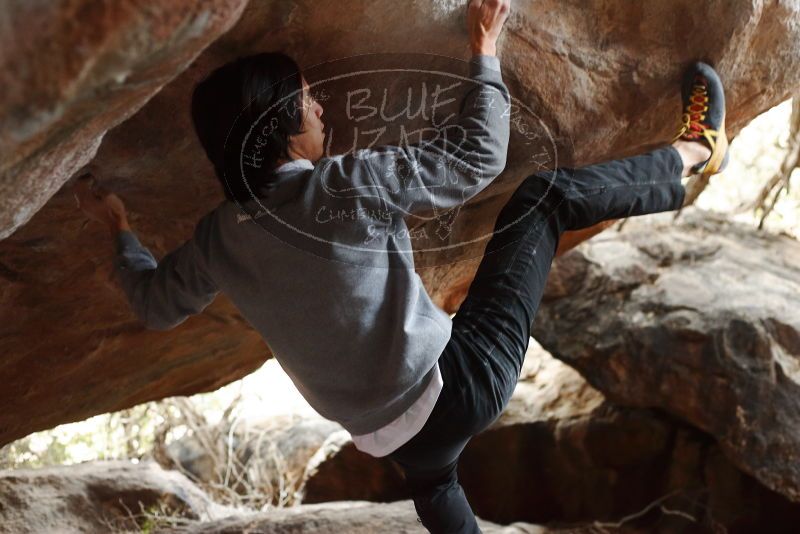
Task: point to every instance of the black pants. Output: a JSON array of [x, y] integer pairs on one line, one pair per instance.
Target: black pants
[[483, 359]]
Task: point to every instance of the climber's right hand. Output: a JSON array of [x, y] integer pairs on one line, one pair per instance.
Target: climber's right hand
[[485, 20]]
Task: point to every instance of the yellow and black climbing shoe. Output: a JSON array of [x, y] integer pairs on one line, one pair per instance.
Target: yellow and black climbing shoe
[[703, 118]]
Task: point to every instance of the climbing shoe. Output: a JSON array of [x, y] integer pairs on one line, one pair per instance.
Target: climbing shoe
[[703, 118]]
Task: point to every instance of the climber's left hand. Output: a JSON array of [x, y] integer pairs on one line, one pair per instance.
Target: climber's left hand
[[99, 203]]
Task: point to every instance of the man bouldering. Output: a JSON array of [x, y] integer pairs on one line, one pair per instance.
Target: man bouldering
[[339, 302]]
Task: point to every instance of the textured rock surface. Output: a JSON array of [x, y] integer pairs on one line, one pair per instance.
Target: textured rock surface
[[562, 454], [699, 318], [339, 517], [600, 76], [72, 69], [96, 497], [118, 496]]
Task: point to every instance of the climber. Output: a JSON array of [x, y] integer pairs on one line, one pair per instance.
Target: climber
[[350, 322]]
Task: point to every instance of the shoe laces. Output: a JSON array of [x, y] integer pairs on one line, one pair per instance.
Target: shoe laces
[[692, 126]]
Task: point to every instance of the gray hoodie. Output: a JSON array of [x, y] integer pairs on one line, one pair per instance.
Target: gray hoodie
[[322, 266]]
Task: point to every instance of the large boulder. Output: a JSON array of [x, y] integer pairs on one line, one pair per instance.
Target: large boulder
[[103, 496], [350, 517], [697, 317], [72, 70], [590, 81], [119, 496]]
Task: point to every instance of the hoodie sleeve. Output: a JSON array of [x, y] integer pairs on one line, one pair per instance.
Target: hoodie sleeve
[[163, 294], [459, 161]]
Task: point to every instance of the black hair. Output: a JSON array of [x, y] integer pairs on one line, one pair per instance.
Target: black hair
[[245, 111]]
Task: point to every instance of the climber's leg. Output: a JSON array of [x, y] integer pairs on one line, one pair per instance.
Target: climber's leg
[[429, 459], [503, 298], [440, 501], [481, 363]]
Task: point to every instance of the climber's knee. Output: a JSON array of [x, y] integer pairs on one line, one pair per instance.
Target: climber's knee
[[539, 195]]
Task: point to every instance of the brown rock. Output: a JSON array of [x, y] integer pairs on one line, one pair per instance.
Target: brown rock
[[74, 69], [698, 318], [103, 496], [601, 81], [118, 496], [338, 470], [339, 517]]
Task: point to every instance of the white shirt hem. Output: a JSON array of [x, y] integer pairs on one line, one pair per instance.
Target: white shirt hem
[[391, 437]]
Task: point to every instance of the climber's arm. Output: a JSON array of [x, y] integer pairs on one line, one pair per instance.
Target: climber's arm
[[464, 155], [460, 160], [162, 294]]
